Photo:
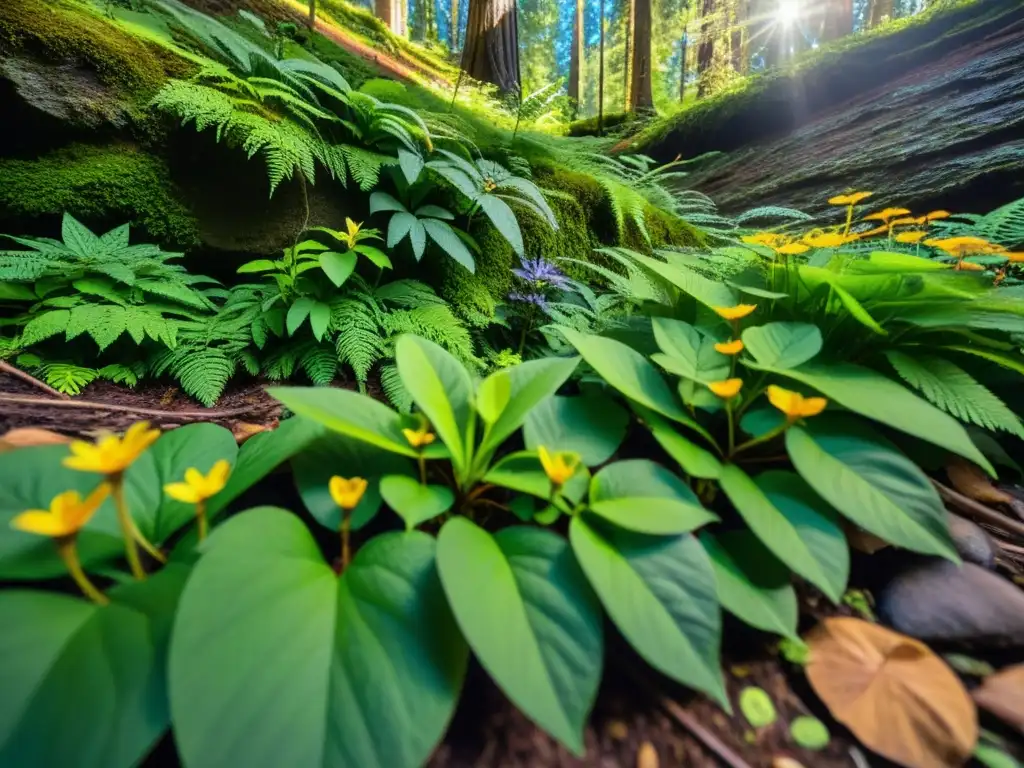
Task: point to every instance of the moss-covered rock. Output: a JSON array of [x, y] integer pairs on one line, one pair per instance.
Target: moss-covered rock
[[101, 185]]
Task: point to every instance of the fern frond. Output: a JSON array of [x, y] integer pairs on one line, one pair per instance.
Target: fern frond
[[320, 363], [394, 389], [358, 342], [67, 378], [438, 324]]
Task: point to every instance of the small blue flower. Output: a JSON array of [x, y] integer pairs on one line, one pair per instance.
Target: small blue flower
[[537, 299], [541, 273]]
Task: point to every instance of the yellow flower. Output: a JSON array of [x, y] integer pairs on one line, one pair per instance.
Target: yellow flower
[[936, 215], [197, 487], [67, 515], [907, 220], [968, 266], [733, 347], [735, 313], [559, 467], [887, 214], [911, 237], [419, 438], [1014, 256], [792, 249], [112, 455], [764, 238], [825, 240], [727, 389], [795, 405], [963, 246], [347, 493], [851, 199], [353, 230]]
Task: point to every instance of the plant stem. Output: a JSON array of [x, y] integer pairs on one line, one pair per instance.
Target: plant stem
[[127, 527], [423, 468], [849, 220], [69, 554], [346, 524], [202, 525], [147, 545], [732, 430]]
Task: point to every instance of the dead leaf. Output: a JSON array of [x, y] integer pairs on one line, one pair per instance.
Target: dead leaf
[[972, 482], [243, 430], [898, 698], [863, 541], [26, 437], [647, 756], [1002, 694], [785, 762]]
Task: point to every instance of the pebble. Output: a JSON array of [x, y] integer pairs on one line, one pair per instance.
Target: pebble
[[937, 600], [971, 542]]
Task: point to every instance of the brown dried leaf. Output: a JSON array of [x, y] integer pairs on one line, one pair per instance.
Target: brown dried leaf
[[1002, 694], [785, 762], [26, 437], [897, 697], [647, 756], [863, 541], [243, 430], [972, 482]]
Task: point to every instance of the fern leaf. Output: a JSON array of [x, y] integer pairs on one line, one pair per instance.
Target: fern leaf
[[120, 374], [358, 343], [365, 165], [67, 378], [394, 389], [955, 391], [1004, 225], [44, 326], [280, 364], [202, 371], [320, 363]]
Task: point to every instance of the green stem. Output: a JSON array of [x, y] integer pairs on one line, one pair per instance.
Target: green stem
[[770, 435], [146, 544], [423, 468], [732, 430], [849, 220], [202, 525], [346, 524], [69, 554], [127, 528]]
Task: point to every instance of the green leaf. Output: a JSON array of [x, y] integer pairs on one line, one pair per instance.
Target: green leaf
[[710, 293], [530, 383], [349, 413], [411, 165], [319, 319], [530, 618], [809, 733], [797, 528], [855, 308], [522, 471], [442, 234], [694, 460], [862, 475], [375, 255], [590, 425], [297, 313], [79, 239], [338, 266], [660, 592], [382, 201], [418, 238], [413, 502], [493, 395], [757, 707], [399, 227], [270, 654], [873, 395], [440, 385], [752, 584], [642, 496], [783, 345], [504, 220], [687, 353]]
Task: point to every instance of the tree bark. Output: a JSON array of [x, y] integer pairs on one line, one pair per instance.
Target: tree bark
[[453, 32], [600, 76], [403, 18], [628, 65], [878, 10], [740, 54], [682, 67], [312, 14], [706, 48], [576, 57], [491, 50], [641, 97], [384, 10]]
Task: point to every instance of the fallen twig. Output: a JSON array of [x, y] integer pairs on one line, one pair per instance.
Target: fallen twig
[[87, 405], [978, 510], [29, 379]]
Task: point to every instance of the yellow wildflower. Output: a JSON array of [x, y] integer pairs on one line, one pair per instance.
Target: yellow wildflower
[[198, 487], [963, 246], [911, 237], [733, 347], [852, 199], [558, 467], [1014, 256], [764, 238], [886, 214], [795, 405], [735, 313], [727, 389], [825, 240], [968, 266], [907, 220], [67, 515], [353, 230], [112, 455], [347, 493], [936, 215], [792, 249], [419, 438]]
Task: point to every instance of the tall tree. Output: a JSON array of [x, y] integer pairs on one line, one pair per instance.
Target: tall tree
[[576, 57], [706, 48], [682, 67], [628, 68], [453, 27], [491, 50], [390, 12], [600, 76], [312, 14], [740, 53], [878, 10], [641, 96]]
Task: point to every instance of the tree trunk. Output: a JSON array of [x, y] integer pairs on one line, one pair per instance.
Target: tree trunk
[[403, 18], [491, 50], [682, 67], [706, 49], [878, 10], [600, 76], [312, 14], [453, 31], [628, 65], [576, 57], [844, 18], [384, 10], [739, 37], [640, 92]]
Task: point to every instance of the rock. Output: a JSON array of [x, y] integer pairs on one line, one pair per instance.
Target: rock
[[938, 600], [972, 543], [67, 91]]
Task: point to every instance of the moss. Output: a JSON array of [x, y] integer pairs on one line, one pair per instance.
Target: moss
[[65, 30], [356, 70], [102, 185]]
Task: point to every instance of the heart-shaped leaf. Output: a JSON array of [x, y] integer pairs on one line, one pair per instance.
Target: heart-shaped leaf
[[415, 503], [338, 266]]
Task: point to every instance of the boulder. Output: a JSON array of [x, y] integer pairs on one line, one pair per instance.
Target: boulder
[[971, 542]]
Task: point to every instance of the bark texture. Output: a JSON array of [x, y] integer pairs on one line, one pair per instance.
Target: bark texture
[[491, 51], [576, 55], [706, 48], [641, 96], [932, 115]]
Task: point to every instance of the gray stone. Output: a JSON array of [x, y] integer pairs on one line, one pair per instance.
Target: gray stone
[[937, 600], [972, 543], [64, 90]]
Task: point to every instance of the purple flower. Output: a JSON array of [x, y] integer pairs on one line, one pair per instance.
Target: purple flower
[[541, 273], [537, 299]]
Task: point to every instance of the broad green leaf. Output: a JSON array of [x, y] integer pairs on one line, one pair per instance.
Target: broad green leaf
[[411, 164], [522, 471], [297, 314], [319, 319], [375, 255], [399, 227], [695, 461], [857, 310], [660, 592], [418, 239], [413, 502], [493, 395], [799, 530], [440, 385], [257, 265], [782, 345], [708, 292], [334, 454], [691, 355], [677, 339], [442, 234], [349, 413], [338, 266], [79, 239], [642, 496], [878, 397], [809, 732], [382, 201], [530, 618], [868, 480], [504, 220], [271, 651], [530, 383], [590, 425], [752, 584]]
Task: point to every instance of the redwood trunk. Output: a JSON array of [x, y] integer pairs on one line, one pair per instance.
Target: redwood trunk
[[682, 68], [706, 49], [453, 32], [640, 92], [491, 51], [628, 64], [312, 14], [576, 56], [600, 76]]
